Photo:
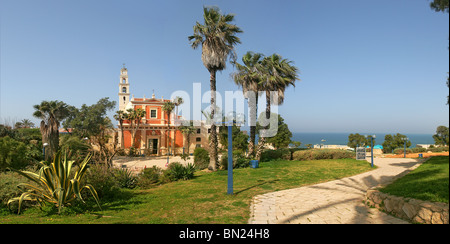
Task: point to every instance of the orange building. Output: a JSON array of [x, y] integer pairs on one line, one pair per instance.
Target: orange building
[[152, 136]]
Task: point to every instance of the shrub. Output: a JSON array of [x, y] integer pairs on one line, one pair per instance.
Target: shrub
[[314, 154], [149, 177], [282, 153], [176, 171], [401, 150], [55, 184], [125, 178], [103, 180], [8, 186], [201, 158], [13, 154], [419, 150], [239, 161]]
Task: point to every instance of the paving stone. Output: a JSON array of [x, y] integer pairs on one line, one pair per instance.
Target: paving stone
[[333, 202]]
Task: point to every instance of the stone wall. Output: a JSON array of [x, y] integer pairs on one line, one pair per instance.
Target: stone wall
[[414, 210]]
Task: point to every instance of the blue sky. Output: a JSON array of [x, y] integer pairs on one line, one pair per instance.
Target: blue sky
[[365, 66]]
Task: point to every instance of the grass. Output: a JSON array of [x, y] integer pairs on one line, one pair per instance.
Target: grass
[[429, 182], [202, 199]]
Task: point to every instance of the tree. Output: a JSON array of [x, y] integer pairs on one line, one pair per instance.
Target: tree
[[283, 137], [187, 131], [92, 123], [277, 75], [392, 142], [440, 5], [355, 140], [217, 36], [168, 108], [239, 139], [135, 118], [177, 102], [121, 116], [51, 113], [442, 136], [25, 123], [248, 77]]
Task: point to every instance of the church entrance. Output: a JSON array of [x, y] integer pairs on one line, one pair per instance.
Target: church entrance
[[153, 145]]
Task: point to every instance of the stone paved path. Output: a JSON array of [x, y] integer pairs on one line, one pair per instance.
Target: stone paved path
[[335, 202]]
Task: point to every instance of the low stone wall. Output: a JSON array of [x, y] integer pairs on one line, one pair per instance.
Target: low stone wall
[[414, 210]]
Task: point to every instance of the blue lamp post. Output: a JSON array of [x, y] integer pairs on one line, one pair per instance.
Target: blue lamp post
[[371, 148]]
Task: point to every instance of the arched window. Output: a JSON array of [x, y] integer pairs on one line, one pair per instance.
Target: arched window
[[124, 80], [124, 90]]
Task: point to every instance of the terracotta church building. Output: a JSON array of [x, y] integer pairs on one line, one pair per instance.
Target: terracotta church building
[[152, 132]]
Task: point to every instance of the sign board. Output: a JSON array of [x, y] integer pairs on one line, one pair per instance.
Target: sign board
[[360, 153]]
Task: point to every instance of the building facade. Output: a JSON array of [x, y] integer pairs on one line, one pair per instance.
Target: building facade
[[153, 136]]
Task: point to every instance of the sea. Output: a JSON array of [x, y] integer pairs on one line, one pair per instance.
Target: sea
[[342, 138]]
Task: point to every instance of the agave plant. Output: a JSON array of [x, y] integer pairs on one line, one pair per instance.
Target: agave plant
[[54, 184]]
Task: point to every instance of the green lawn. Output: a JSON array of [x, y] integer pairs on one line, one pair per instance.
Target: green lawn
[[429, 182], [202, 199]]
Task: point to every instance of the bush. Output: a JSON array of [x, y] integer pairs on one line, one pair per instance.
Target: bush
[[14, 154], [103, 180], [201, 158], [239, 161], [282, 153], [419, 150], [401, 150], [149, 177], [315, 154], [176, 171], [125, 178], [438, 149]]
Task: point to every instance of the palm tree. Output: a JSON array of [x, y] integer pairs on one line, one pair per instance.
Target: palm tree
[[168, 108], [51, 113], [121, 116], [217, 36], [277, 75], [135, 117], [177, 102], [187, 131], [248, 77]]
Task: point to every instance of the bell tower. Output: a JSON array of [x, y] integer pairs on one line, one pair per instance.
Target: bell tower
[[124, 89]]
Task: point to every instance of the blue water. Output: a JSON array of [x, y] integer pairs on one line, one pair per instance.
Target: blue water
[[342, 138]]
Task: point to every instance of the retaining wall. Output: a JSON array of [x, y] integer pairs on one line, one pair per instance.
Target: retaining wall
[[414, 210]]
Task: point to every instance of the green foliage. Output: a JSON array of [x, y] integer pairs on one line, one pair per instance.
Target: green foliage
[[283, 137], [55, 184], [442, 136], [240, 140], [440, 5], [125, 178], [355, 140], [391, 142], [176, 171], [14, 154], [402, 150], [8, 187], [282, 153], [103, 180], [201, 158], [317, 154], [149, 177], [239, 161]]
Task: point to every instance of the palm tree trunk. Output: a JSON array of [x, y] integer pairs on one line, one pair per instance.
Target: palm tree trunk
[[253, 115], [262, 140], [213, 142]]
